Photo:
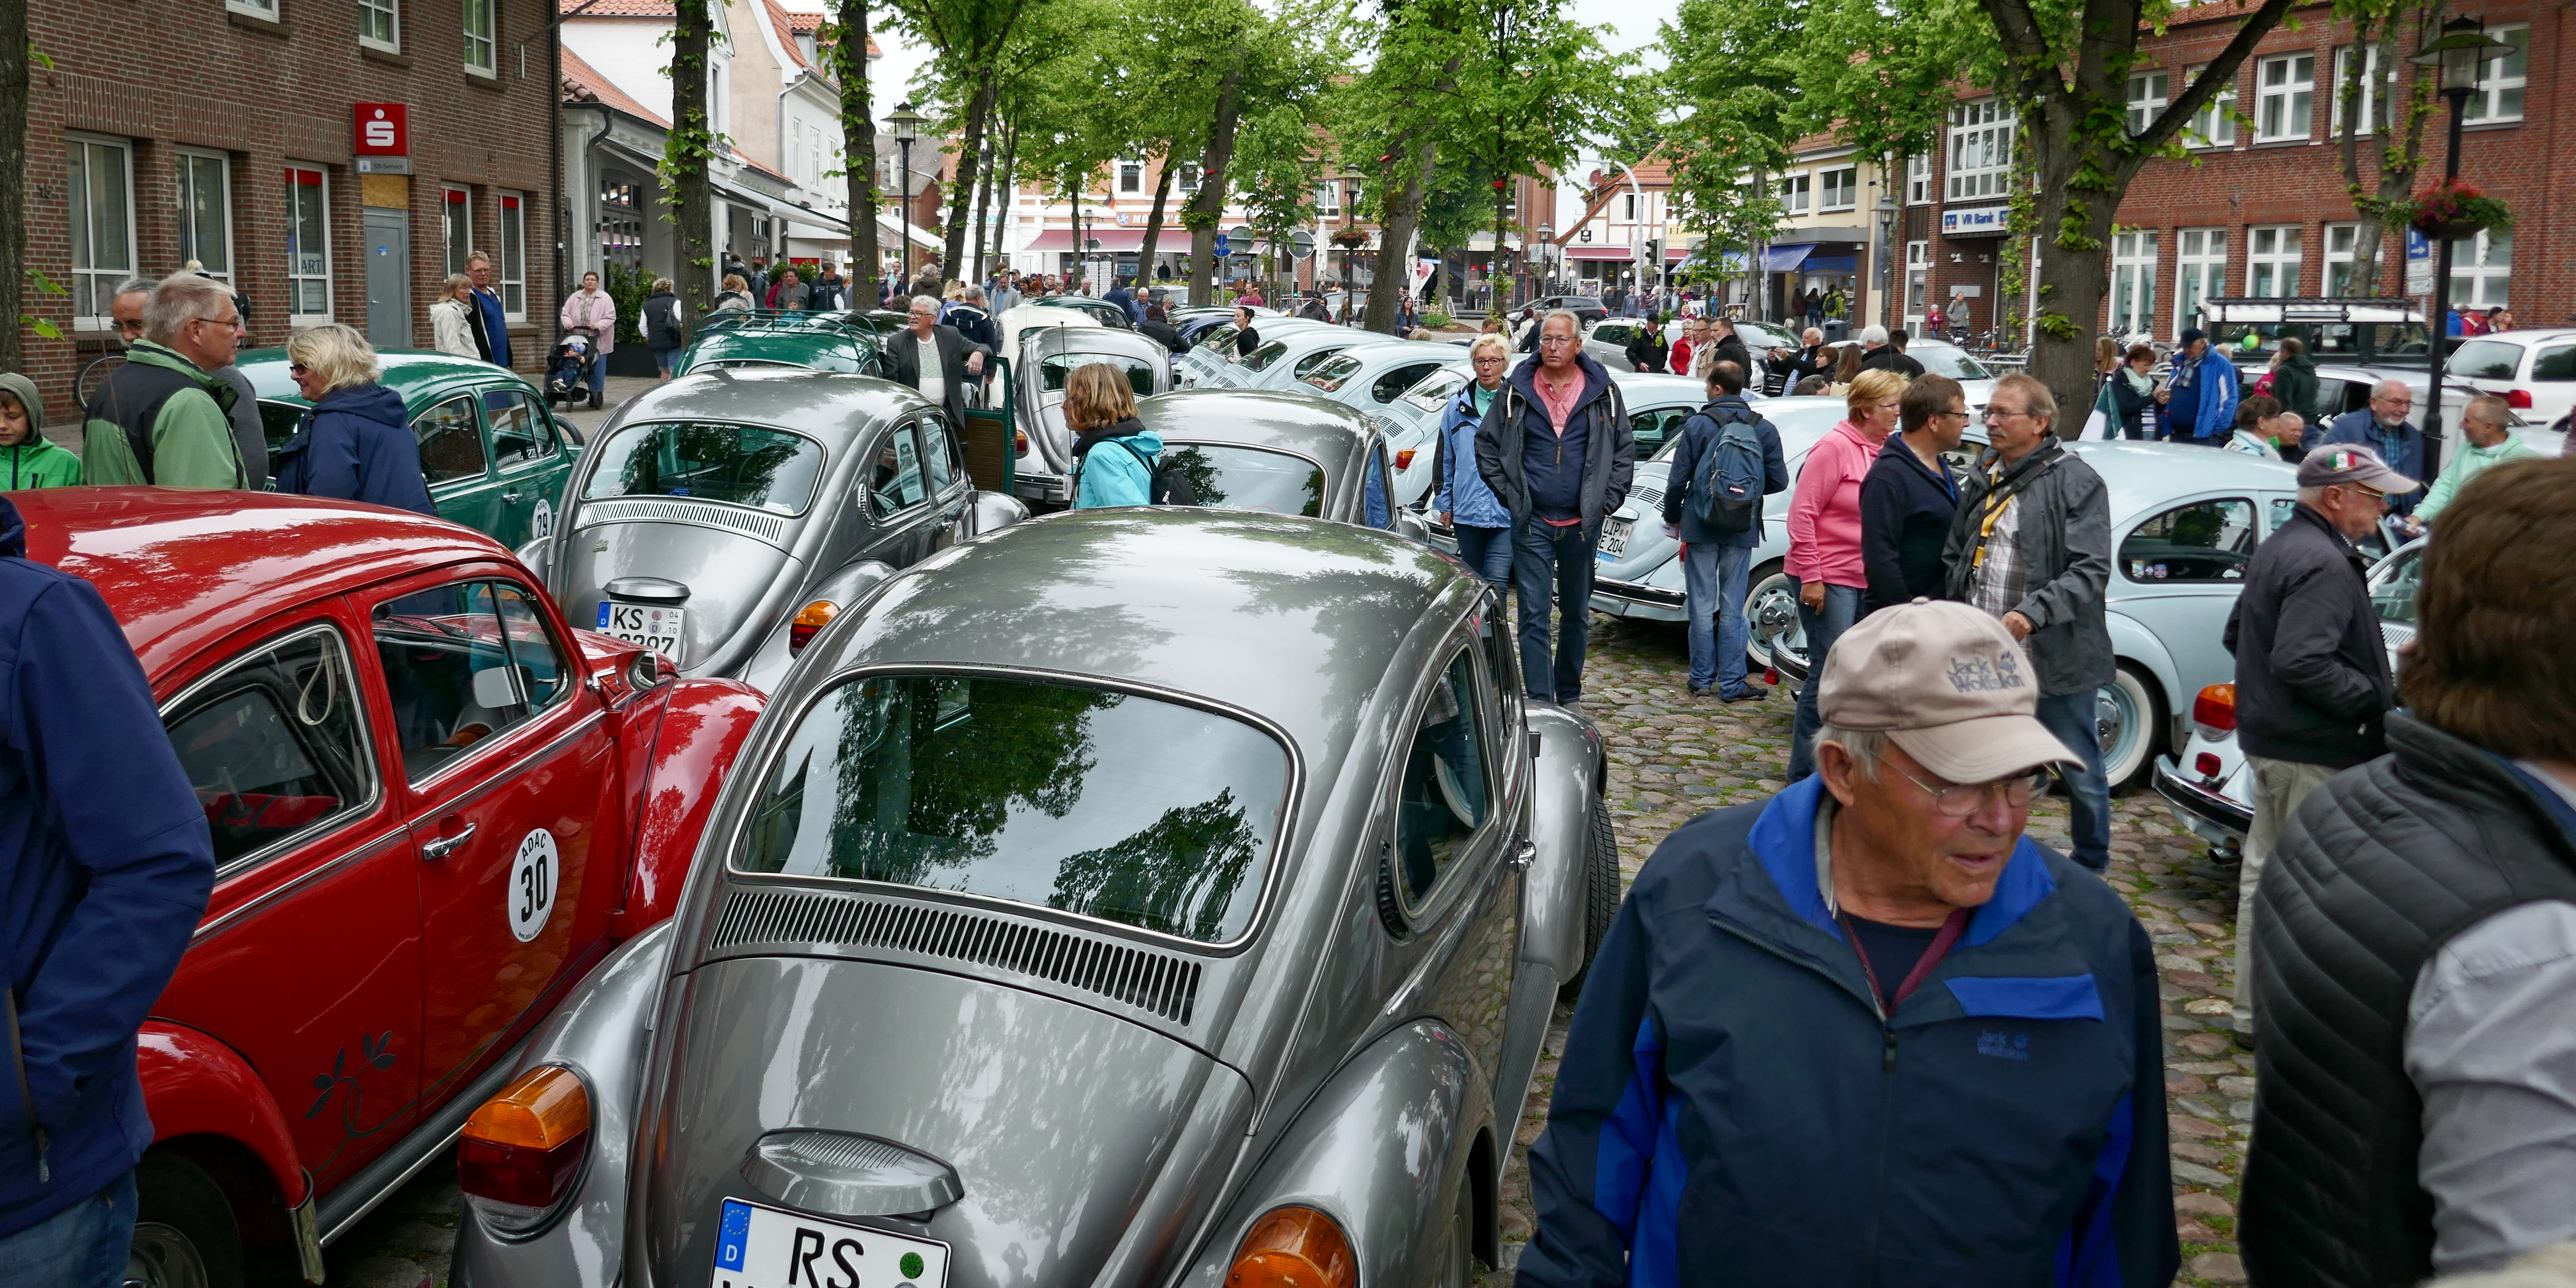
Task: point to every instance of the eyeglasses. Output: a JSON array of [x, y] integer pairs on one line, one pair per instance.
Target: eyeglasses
[[2003, 413], [297, 369], [1556, 339], [134, 327], [1959, 800]]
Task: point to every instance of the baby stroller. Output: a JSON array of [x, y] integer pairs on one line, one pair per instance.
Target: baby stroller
[[568, 371]]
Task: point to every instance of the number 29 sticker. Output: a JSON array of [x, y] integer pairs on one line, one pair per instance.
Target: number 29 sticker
[[531, 897]]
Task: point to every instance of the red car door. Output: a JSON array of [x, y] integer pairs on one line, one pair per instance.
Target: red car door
[[513, 807], [308, 960]]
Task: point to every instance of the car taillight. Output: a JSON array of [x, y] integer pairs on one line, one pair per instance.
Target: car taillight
[[1019, 441], [1404, 459], [520, 1152], [1293, 1247], [2518, 399], [2207, 763], [810, 619], [2214, 711]]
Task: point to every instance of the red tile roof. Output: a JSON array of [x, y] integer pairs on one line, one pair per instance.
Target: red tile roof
[[584, 84], [789, 22]]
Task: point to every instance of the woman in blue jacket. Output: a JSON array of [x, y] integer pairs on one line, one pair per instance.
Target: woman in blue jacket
[[1465, 503], [357, 445], [1113, 450]]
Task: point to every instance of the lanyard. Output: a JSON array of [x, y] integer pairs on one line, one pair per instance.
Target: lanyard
[[1951, 929]]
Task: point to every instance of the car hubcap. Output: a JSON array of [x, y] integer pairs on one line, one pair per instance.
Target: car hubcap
[[1772, 611], [2118, 724], [161, 1257]]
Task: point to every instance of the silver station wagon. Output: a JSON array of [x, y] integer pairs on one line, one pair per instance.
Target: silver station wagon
[[1118, 899]]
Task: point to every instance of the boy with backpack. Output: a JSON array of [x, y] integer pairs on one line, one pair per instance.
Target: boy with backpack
[[1727, 461]]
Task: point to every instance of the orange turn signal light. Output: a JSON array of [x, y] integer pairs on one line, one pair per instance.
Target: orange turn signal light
[[1404, 459], [522, 1148], [1294, 1247], [810, 619]]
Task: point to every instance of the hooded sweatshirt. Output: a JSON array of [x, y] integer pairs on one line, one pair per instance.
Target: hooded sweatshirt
[[193, 444], [357, 446], [1111, 475], [35, 463]]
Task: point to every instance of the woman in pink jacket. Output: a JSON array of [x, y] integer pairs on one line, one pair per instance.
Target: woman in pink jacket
[[592, 312], [1824, 538]]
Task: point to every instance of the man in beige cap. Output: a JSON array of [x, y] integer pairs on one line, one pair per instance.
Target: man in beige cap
[[1867, 1030]]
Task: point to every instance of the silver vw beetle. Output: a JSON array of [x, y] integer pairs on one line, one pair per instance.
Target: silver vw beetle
[[1277, 453], [1106, 901], [1043, 362], [721, 518]]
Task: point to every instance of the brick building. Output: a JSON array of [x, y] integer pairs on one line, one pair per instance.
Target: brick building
[[2261, 209], [223, 131]]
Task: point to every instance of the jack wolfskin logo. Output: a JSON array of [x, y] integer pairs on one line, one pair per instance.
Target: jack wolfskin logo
[[1977, 675], [2004, 1046]]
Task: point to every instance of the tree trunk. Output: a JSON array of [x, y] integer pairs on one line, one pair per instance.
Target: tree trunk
[[13, 212], [858, 151], [2397, 161], [1395, 236], [1154, 225], [983, 206], [1008, 178], [978, 110], [1208, 206], [685, 152]]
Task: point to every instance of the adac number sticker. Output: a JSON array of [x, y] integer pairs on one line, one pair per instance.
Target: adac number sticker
[[533, 877]]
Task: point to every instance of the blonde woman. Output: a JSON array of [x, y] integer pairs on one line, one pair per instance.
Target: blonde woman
[[1114, 452], [357, 445], [736, 297], [1824, 535], [451, 319]]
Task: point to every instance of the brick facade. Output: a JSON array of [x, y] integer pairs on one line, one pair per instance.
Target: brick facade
[[158, 80]]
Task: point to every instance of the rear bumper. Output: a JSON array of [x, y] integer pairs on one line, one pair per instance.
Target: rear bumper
[[2213, 816], [1040, 487], [1632, 599]]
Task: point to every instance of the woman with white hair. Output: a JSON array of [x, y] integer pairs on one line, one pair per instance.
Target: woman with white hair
[[357, 445], [451, 319], [1465, 502]]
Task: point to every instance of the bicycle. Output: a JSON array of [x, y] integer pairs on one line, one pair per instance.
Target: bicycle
[[94, 373]]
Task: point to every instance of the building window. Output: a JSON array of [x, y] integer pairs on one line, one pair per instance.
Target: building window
[[2479, 271], [480, 38], [2378, 90], [101, 183], [514, 256], [1131, 176], [255, 8], [1628, 203], [621, 223], [1918, 256], [1980, 150], [206, 212], [2213, 126], [1794, 190], [457, 219], [2500, 83], [1918, 180], [2200, 271], [1189, 177], [380, 24], [308, 246], [2133, 281], [2283, 94], [2340, 239], [2148, 94], [1842, 189], [2272, 261], [1328, 197]]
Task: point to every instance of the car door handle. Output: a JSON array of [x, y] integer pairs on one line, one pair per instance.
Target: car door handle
[[509, 498], [1525, 855], [440, 848]]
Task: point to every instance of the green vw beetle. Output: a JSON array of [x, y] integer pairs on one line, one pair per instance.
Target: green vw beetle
[[846, 342], [496, 458]]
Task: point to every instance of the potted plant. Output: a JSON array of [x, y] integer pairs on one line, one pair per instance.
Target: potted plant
[[2451, 210]]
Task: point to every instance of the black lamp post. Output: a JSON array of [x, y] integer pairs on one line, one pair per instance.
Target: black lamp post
[[1887, 289], [906, 126], [2463, 48]]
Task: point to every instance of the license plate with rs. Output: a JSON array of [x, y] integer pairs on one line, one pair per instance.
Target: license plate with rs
[[651, 625], [763, 1247], [1614, 537]]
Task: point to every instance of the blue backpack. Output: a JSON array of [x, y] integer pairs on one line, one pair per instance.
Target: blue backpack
[[1727, 494]]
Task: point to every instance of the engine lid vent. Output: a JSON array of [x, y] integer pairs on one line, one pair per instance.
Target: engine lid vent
[[1161, 984]]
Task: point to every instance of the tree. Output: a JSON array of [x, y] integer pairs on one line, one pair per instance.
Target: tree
[[2399, 108], [686, 150], [844, 43], [969, 37], [1278, 165]]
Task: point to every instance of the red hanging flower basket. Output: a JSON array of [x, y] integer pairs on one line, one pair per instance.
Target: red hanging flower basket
[[2451, 210]]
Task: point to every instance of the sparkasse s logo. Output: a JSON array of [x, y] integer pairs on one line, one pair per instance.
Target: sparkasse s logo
[[383, 130]]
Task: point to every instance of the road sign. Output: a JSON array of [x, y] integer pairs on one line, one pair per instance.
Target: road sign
[[1301, 244], [1221, 251]]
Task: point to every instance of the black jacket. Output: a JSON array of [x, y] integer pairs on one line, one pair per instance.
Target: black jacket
[[1610, 446], [1886, 358], [1906, 508], [1246, 341], [1698, 438], [2130, 403], [974, 324], [1729, 348], [2066, 555], [662, 328], [1161, 331], [903, 365], [1818, 361], [2312, 681]]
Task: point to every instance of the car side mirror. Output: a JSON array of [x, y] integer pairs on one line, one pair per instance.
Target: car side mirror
[[501, 688]]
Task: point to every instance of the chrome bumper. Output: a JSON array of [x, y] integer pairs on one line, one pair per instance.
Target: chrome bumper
[[1041, 487], [2203, 810], [1633, 599]]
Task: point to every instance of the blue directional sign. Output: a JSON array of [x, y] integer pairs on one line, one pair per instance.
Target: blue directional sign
[[1221, 251]]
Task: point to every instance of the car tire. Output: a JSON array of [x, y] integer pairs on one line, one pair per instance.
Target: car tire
[[1600, 892], [1768, 583], [2130, 716], [1456, 1267], [184, 1235]]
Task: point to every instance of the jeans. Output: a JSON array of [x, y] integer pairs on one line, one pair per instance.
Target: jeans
[[2076, 720], [1713, 596], [1488, 551], [599, 373], [82, 1246], [1546, 558], [1842, 608], [664, 360]]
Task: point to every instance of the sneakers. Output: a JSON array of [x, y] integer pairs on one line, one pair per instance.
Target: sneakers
[[1752, 693]]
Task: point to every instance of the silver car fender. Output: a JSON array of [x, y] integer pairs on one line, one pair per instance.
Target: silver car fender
[[1381, 1149], [995, 511], [537, 556], [2132, 641], [601, 1032], [1568, 758], [768, 667]]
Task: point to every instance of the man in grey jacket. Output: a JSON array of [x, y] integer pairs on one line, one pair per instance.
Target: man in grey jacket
[[2032, 546]]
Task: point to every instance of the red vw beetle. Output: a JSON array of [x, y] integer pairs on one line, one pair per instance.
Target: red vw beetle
[[434, 807]]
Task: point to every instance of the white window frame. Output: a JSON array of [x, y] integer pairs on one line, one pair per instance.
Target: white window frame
[[223, 202], [1981, 144], [2200, 270], [1328, 197], [1131, 177], [391, 10], [2136, 254], [513, 255], [294, 279], [483, 37], [99, 281], [2378, 90], [2213, 126], [453, 215], [1918, 260], [1188, 180], [1918, 179], [264, 10], [2149, 93], [2339, 242], [1849, 185], [2482, 271], [2486, 106], [1795, 191], [2285, 111], [2273, 253]]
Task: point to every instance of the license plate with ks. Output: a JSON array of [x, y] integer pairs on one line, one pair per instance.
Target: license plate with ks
[[650, 625], [763, 1247]]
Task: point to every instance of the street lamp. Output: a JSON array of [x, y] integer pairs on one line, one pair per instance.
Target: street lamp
[[2463, 48], [1546, 256], [1886, 253], [905, 124]]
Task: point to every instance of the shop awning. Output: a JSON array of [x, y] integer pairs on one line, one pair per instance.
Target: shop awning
[[1786, 259], [1113, 239], [1832, 264], [1618, 253]]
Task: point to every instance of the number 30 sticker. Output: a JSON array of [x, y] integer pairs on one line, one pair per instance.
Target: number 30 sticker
[[531, 897]]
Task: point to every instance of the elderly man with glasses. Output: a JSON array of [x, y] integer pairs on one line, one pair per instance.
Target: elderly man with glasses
[[2383, 428], [1867, 1030], [248, 437], [934, 358], [164, 417]]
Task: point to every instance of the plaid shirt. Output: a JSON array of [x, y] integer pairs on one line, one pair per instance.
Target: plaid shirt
[[1997, 586]]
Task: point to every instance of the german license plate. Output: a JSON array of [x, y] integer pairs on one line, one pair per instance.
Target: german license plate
[[651, 625], [763, 1247], [1614, 537]]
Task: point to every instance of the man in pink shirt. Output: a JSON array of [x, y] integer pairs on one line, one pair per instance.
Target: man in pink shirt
[[1824, 539]]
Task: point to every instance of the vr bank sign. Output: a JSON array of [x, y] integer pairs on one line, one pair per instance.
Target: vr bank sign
[[1979, 221]]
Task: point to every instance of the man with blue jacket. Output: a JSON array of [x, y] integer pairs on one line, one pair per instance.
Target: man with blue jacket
[[105, 865], [2199, 401], [2383, 428], [1867, 1032], [1716, 550]]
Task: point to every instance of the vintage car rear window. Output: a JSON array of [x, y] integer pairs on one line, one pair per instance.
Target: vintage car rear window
[[1434, 393], [1058, 368], [1334, 373], [1250, 478], [1110, 805], [767, 469]]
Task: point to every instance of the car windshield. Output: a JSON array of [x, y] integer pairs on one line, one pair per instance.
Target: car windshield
[[1942, 360], [1109, 805], [1801, 421], [1250, 478], [766, 469], [2486, 360], [1333, 373], [1757, 336], [1435, 390], [1057, 368]]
